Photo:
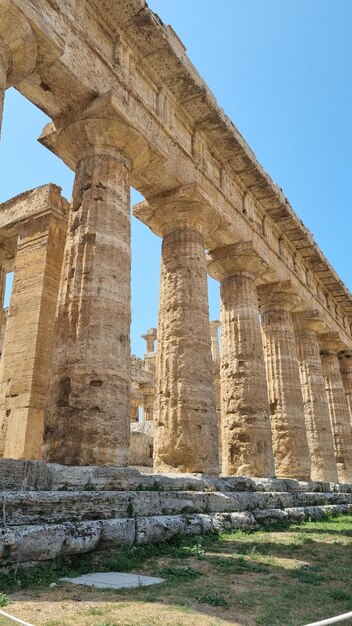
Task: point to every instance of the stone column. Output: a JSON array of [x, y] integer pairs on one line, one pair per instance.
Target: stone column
[[316, 409], [87, 419], [135, 403], [285, 396], [29, 337], [3, 316], [330, 345], [150, 354], [245, 416], [346, 373], [185, 422], [215, 353], [148, 391]]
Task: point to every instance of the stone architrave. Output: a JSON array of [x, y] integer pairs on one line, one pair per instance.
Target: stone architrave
[[245, 417], [346, 373], [285, 396], [186, 435], [307, 325], [87, 420], [18, 48], [330, 346], [29, 334]]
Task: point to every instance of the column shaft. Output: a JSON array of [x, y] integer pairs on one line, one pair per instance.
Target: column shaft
[[88, 410], [346, 373], [316, 408], [29, 337], [186, 429], [245, 416], [286, 404], [339, 415]]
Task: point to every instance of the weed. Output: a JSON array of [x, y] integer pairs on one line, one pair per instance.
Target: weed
[[4, 600], [175, 574], [213, 599]]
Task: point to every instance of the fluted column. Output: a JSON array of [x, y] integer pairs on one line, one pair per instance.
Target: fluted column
[[330, 346], [346, 373], [245, 417], [185, 415], [285, 396], [87, 420], [316, 409], [215, 354], [3, 316]]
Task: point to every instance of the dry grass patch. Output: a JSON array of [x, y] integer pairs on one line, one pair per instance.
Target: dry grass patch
[[283, 577]]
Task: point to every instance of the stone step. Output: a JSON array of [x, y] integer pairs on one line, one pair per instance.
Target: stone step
[[27, 545], [52, 507], [41, 476]]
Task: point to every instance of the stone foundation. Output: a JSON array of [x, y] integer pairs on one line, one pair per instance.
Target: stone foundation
[[51, 510]]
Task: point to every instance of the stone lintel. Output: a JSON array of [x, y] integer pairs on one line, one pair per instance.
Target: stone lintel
[[18, 46], [29, 205], [331, 343], [188, 206], [99, 125], [278, 295], [238, 258], [308, 321]]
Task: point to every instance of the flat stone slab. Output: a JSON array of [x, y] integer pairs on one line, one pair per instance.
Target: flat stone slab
[[113, 580]]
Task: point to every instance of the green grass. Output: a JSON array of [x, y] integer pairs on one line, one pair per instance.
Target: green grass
[[282, 576]]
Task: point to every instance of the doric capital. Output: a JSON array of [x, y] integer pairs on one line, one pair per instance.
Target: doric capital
[[150, 338], [98, 127], [18, 46], [308, 321], [330, 343], [346, 360], [185, 207], [214, 326], [279, 295], [234, 259]]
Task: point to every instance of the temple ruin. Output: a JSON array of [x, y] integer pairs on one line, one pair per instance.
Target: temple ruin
[[269, 411]]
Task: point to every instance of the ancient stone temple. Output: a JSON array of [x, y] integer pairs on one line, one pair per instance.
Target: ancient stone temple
[[269, 410]]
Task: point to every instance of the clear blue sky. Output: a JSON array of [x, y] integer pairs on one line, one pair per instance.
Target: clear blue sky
[[281, 69]]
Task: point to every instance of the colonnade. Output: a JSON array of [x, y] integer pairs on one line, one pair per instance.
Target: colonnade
[[285, 379]]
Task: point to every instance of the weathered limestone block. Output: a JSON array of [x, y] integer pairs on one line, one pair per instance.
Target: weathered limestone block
[[141, 448], [316, 408], [29, 337], [285, 396], [118, 532], [46, 542], [330, 345], [18, 48], [54, 506], [88, 409], [346, 373], [245, 417], [185, 414]]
